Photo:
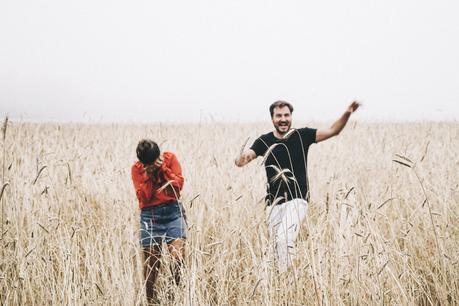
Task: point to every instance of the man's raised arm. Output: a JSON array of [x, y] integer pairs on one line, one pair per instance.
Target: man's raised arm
[[245, 158], [337, 127]]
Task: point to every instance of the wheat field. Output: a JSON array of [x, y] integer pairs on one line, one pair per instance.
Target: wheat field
[[382, 226]]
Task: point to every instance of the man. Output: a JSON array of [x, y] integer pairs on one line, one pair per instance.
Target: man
[[285, 153], [158, 181]]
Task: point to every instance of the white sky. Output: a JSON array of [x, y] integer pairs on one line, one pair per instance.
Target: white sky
[[228, 60]]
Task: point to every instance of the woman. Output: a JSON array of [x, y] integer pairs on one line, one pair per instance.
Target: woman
[[158, 181]]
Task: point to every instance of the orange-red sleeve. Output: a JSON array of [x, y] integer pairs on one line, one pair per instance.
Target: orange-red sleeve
[[173, 172], [142, 184]]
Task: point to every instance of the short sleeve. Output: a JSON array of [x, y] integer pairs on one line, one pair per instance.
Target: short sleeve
[[259, 147], [308, 135]]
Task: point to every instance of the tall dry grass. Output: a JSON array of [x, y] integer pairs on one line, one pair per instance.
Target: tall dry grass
[[378, 231]]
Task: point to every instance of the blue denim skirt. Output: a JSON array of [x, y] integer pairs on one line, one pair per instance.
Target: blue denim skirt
[[163, 222]]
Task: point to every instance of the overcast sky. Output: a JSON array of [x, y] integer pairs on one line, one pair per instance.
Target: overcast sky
[[155, 61]]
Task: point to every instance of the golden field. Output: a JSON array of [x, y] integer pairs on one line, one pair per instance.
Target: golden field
[[378, 231]]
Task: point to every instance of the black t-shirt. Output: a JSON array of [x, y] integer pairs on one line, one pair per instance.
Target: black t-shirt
[[286, 164]]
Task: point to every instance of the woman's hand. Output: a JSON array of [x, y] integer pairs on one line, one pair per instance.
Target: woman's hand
[[151, 169]]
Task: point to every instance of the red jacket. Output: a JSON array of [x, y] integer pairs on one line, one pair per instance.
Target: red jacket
[[148, 189]]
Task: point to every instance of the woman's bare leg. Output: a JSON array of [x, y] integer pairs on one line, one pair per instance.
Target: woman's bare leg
[[177, 251], [152, 256]]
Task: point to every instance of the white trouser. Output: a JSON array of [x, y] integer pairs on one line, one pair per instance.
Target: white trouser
[[284, 222]]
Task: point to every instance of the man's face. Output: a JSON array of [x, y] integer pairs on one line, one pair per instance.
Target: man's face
[[282, 119]]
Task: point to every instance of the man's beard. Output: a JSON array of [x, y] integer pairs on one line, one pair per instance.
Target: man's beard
[[278, 128]]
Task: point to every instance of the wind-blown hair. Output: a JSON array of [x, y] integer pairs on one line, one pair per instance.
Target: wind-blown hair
[[147, 151]]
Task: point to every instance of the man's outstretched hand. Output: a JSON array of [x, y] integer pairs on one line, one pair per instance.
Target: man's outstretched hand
[[353, 106]]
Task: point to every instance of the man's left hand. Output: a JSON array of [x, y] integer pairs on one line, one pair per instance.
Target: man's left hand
[[353, 106]]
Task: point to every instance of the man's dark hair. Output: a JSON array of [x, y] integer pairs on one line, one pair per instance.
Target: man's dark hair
[[147, 151], [280, 104]]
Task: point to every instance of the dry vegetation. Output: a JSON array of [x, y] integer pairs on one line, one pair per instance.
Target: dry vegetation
[[377, 232]]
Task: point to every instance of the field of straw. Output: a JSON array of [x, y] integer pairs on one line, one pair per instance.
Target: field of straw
[[382, 227]]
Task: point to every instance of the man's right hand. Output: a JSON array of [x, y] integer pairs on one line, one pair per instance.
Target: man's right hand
[[237, 161], [245, 158]]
